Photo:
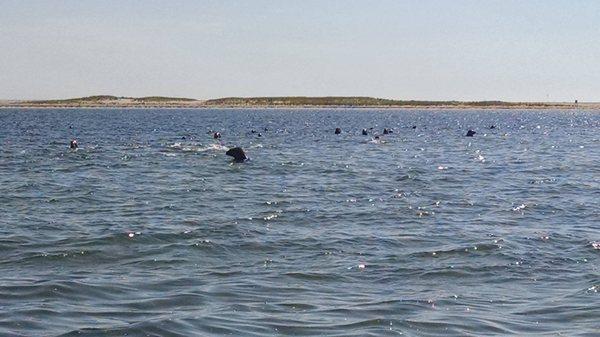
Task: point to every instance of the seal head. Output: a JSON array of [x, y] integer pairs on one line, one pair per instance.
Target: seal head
[[237, 153]]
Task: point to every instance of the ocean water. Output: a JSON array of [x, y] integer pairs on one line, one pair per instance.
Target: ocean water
[[148, 229]]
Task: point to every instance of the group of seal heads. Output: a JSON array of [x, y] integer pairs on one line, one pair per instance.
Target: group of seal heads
[[239, 155], [386, 131], [365, 132]]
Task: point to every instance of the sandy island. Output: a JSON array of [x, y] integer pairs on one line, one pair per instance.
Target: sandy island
[[282, 102]]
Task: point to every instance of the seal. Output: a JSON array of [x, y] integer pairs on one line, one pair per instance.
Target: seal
[[471, 133], [237, 153]]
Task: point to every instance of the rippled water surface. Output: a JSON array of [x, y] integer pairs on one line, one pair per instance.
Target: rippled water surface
[[148, 229]]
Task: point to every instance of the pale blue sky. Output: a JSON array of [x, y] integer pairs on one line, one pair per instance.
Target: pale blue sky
[[463, 50]]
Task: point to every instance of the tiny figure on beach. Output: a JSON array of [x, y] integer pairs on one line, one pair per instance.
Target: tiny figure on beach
[[386, 131], [73, 144], [364, 132], [338, 131], [216, 135]]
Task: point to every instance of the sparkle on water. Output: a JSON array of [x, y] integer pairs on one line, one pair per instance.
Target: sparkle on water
[[149, 229]]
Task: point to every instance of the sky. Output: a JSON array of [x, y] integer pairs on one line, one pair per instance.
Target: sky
[[509, 50]]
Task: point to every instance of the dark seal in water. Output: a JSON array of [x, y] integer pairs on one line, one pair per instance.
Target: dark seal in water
[[237, 153], [471, 133], [338, 131]]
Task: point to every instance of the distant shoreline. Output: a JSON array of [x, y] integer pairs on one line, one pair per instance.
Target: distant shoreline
[[588, 106], [291, 102]]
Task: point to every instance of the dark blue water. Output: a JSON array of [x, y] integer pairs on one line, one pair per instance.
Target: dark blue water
[[425, 233]]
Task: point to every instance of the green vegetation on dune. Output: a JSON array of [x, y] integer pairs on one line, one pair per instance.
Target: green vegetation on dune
[[99, 99], [163, 99], [343, 101], [298, 100]]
